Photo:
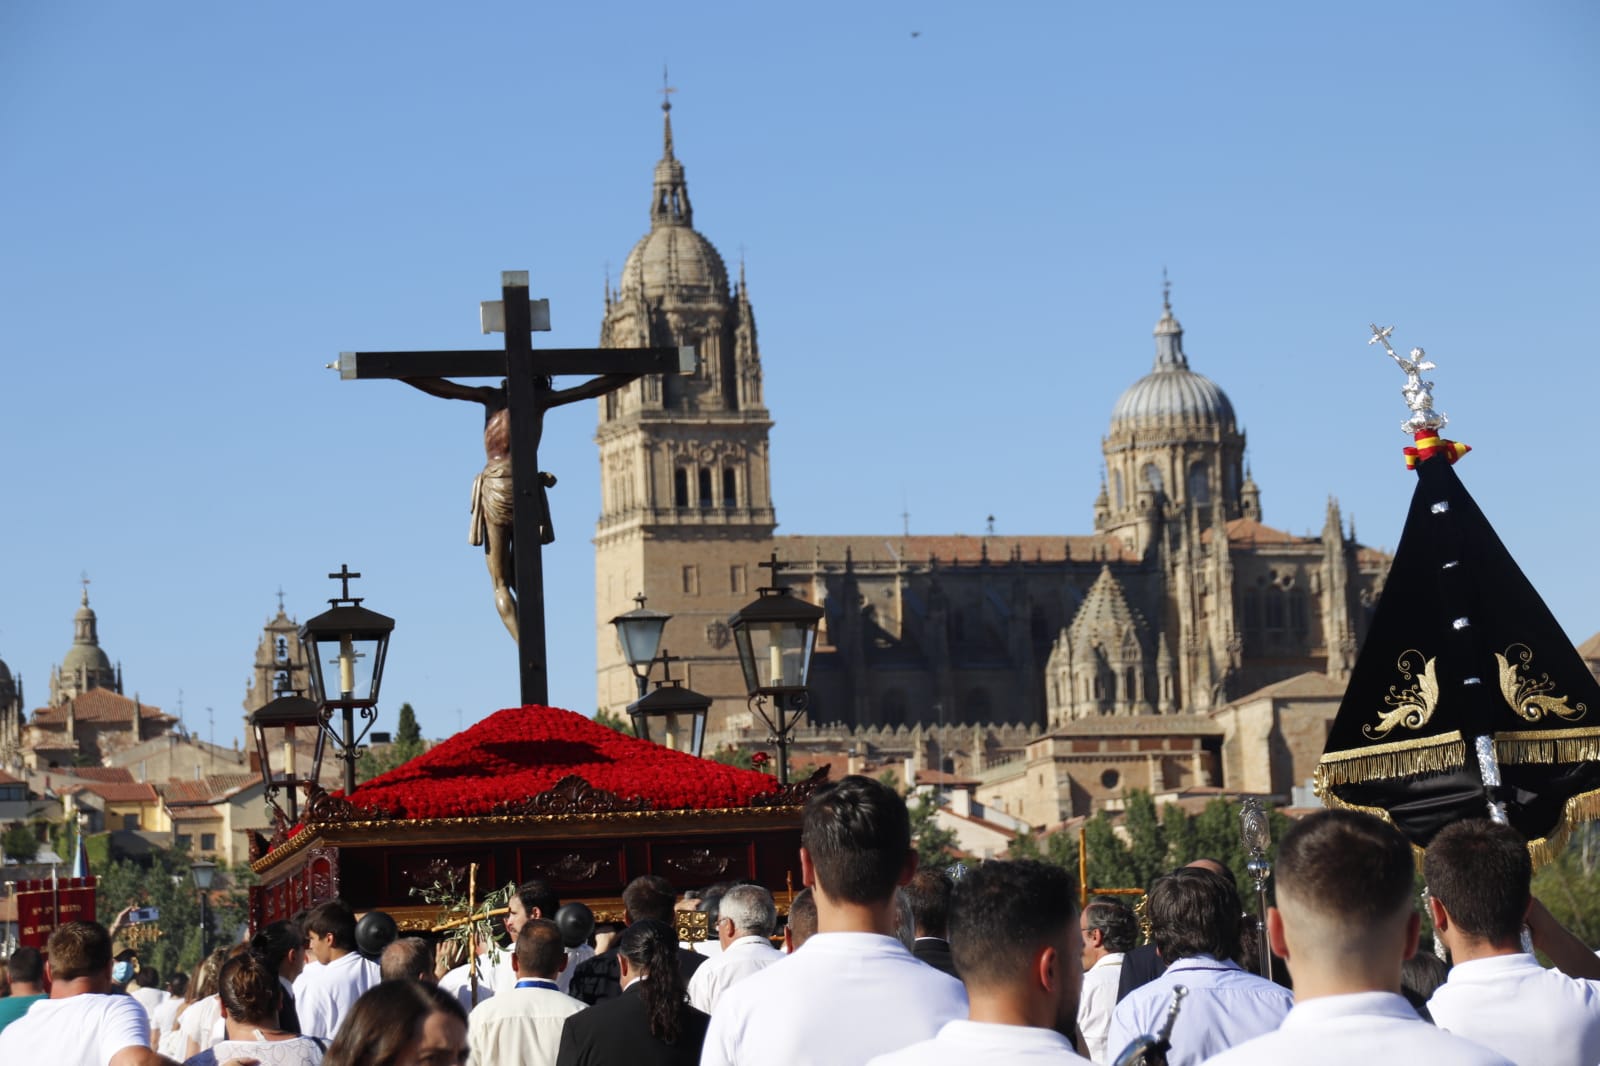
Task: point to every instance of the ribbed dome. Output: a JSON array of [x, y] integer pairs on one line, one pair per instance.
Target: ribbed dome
[[1172, 392], [678, 261], [89, 656], [86, 651], [672, 259]]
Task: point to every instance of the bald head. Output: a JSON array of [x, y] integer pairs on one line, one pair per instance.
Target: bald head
[[410, 956]]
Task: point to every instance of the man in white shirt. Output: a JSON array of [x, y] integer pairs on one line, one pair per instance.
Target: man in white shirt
[[853, 991], [1194, 921], [82, 1022], [1497, 995], [746, 918], [521, 1025], [1109, 930], [329, 990], [800, 924], [1344, 923], [1014, 937]]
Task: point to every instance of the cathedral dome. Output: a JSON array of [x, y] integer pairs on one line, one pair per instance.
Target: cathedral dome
[[674, 260], [86, 652], [1171, 392]]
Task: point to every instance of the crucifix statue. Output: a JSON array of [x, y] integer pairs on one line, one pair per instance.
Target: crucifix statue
[[510, 506]]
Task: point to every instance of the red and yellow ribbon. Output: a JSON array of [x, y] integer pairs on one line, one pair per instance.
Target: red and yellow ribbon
[[1430, 444]]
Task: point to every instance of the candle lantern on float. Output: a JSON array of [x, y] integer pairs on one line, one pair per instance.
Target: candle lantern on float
[[355, 640], [775, 636]]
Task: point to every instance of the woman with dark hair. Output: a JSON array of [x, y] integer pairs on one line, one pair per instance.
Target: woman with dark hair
[[280, 946], [401, 1023], [250, 996], [651, 1023]]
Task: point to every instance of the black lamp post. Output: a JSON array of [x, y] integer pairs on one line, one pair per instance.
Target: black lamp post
[[639, 633], [204, 871], [356, 640], [277, 722], [775, 636], [668, 702]]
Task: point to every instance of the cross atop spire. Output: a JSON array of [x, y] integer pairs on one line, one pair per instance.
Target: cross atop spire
[[666, 110], [1166, 291], [83, 576]]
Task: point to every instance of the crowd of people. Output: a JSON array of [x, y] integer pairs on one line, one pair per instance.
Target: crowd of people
[[879, 963]]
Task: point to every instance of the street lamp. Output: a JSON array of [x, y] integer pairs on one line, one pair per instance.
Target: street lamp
[[357, 641], [275, 722], [670, 700], [639, 633], [204, 871], [775, 636]]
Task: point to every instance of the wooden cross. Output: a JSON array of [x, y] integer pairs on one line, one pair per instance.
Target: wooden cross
[[344, 577], [524, 396], [775, 565]]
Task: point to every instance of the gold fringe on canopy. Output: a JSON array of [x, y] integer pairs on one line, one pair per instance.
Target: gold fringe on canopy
[[1583, 807], [1543, 746], [1400, 758]]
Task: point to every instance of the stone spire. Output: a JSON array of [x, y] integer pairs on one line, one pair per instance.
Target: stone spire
[[1169, 333], [669, 203]]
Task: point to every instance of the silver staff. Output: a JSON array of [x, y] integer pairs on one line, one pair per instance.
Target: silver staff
[[1151, 1049], [1256, 835]]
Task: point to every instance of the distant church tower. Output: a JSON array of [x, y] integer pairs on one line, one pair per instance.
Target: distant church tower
[[686, 498], [11, 719], [85, 665], [280, 663]]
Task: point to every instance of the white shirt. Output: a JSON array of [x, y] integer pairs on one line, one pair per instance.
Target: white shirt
[[964, 1043], [83, 1030], [149, 998], [165, 1016], [1363, 1028], [329, 992], [300, 1051], [741, 958], [1096, 1002], [199, 1023], [838, 1001], [520, 1026], [1531, 1015], [458, 982], [1226, 1005]]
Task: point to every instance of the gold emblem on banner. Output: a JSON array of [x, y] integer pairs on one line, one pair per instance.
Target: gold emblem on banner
[[1410, 707], [1528, 695]]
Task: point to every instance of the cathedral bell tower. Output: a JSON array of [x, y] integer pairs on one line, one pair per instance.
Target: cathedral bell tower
[[686, 500]]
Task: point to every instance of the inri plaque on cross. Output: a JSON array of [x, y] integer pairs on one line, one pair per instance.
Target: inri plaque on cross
[[511, 514]]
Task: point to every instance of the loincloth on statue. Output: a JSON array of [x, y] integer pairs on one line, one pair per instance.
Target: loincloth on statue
[[491, 500]]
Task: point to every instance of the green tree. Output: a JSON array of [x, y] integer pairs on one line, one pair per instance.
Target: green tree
[[406, 745], [1060, 848], [934, 845], [1148, 856], [1569, 888], [19, 843], [731, 756], [613, 720], [165, 881]]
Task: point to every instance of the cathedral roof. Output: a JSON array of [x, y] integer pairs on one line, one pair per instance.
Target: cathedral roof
[[1250, 531], [1308, 684], [97, 705], [1171, 392], [800, 548], [673, 260]]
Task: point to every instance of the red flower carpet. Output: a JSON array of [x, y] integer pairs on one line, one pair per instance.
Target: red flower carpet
[[523, 751]]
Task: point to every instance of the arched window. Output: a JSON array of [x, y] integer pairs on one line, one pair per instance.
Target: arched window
[[1116, 489], [1274, 607], [680, 487], [705, 487], [1152, 477], [1199, 484], [730, 487]]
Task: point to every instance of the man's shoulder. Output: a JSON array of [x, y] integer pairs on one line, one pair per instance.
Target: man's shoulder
[[1407, 1041]]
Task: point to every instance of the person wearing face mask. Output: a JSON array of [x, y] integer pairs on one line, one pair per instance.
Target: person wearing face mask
[[124, 964]]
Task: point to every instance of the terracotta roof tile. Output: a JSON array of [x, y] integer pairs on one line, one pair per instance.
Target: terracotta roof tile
[[210, 789], [98, 705], [111, 775], [7, 779], [801, 549], [114, 792]]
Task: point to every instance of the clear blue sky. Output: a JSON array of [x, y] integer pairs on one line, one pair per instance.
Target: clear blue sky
[[954, 217]]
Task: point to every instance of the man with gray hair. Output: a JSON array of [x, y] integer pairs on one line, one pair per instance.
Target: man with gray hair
[[1109, 930], [746, 919]]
